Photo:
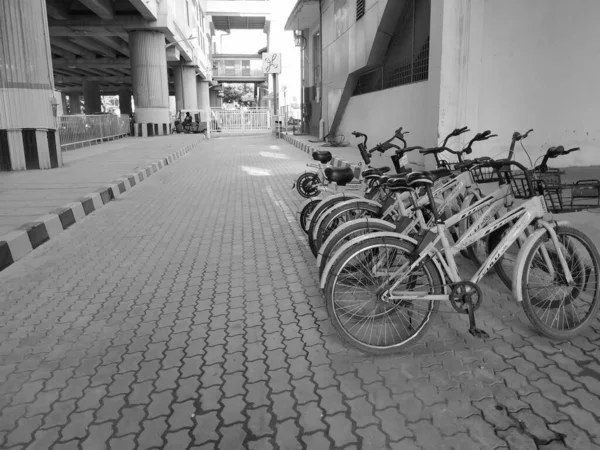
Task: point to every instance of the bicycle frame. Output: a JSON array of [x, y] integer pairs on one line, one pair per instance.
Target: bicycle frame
[[527, 213]]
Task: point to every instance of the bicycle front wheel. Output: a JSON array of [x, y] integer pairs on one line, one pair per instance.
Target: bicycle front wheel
[[360, 315], [342, 215], [556, 308], [346, 233], [307, 209]]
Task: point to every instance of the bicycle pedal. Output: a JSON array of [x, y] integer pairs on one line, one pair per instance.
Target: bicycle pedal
[[479, 333]]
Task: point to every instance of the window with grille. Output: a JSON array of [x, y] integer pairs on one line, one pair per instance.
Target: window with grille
[[360, 9], [407, 57]]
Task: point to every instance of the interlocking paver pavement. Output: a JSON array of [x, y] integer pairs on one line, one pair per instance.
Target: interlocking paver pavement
[[194, 321]]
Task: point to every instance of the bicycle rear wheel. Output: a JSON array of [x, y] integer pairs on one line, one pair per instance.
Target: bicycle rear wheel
[[307, 184], [558, 309], [359, 314]]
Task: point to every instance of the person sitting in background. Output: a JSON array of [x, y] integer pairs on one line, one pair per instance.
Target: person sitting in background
[[188, 118]]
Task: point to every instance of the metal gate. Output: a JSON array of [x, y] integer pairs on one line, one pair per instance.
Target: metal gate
[[240, 120]]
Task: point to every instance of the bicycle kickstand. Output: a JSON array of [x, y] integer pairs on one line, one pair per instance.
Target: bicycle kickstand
[[477, 332]]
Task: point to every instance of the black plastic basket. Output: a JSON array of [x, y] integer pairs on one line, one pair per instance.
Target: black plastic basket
[[483, 175]]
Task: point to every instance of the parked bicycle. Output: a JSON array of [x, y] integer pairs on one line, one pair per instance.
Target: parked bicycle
[[384, 290]]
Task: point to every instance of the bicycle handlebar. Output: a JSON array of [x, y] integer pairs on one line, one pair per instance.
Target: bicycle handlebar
[[554, 152], [358, 135]]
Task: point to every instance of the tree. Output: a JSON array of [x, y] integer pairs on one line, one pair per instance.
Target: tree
[[233, 92]]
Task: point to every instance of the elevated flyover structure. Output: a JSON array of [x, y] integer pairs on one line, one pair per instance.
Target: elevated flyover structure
[[144, 48], [228, 15]]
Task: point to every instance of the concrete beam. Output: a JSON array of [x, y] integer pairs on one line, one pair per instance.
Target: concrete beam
[[90, 24], [147, 8], [251, 8], [102, 8], [69, 46], [63, 53], [58, 9], [114, 43], [62, 63], [72, 79], [78, 30], [91, 44]]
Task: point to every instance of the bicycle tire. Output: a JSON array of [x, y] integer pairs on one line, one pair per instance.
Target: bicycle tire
[[345, 234], [323, 206], [306, 184], [328, 224], [308, 208], [379, 242], [581, 280]]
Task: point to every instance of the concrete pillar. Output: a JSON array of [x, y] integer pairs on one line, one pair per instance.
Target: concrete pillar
[[185, 87], [91, 97], [28, 124], [456, 45], [125, 101], [74, 103], [203, 94], [150, 82]]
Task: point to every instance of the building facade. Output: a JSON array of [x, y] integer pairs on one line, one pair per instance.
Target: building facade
[[433, 65]]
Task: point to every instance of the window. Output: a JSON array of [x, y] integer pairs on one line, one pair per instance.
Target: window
[[317, 58], [229, 67], [407, 57], [187, 11], [360, 9], [246, 67]]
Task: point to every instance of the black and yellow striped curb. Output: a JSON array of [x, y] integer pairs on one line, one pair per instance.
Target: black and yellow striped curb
[[18, 243]]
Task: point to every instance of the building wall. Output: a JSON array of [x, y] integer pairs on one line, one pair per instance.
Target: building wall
[[312, 95], [346, 46], [380, 113], [539, 69]]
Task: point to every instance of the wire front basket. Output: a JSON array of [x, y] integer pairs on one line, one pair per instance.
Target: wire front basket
[[560, 197], [483, 175]]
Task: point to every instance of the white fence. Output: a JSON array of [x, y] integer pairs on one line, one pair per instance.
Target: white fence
[[77, 131], [240, 120]]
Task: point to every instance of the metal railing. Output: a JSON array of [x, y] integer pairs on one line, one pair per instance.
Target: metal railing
[[78, 130], [240, 120]]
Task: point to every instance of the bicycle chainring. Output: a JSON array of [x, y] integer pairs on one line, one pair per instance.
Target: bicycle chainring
[[461, 291]]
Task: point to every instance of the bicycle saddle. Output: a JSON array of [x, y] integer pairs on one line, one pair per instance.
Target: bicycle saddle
[[375, 171], [426, 178], [341, 176], [322, 156], [397, 182]]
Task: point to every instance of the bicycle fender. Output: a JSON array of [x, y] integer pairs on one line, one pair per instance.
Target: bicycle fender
[[523, 252], [340, 205], [329, 199], [356, 241], [339, 231]]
